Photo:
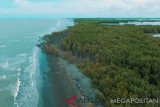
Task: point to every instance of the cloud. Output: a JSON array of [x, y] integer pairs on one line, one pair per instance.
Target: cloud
[[84, 8], [21, 2]]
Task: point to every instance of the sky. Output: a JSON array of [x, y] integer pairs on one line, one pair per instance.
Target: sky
[[79, 8]]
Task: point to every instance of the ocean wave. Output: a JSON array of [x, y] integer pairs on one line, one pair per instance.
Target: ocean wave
[[22, 55], [28, 91], [2, 46], [9, 88], [8, 66], [12, 64], [3, 77], [4, 65], [16, 88]]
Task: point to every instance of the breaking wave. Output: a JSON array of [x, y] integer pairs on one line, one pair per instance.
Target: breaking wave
[[26, 95], [2, 77], [2, 46]]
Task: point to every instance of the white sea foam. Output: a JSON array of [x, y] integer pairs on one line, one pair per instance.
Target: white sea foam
[[16, 88], [4, 65], [19, 69], [22, 55], [2, 77], [10, 65], [6, 88], [7, 66], [24, 90], [156, 35], [2, 46], [29, 95]]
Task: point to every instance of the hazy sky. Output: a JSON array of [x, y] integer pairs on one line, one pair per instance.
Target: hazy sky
[[79, 8]]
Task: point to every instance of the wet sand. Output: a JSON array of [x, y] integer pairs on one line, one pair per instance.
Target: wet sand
[[58, 86]]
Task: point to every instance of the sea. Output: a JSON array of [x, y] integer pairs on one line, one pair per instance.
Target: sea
[[21, 78]]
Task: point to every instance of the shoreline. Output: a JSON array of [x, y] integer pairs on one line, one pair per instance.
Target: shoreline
[[60, 81]]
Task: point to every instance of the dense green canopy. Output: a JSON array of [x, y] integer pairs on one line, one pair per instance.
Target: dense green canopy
[[122, 61]]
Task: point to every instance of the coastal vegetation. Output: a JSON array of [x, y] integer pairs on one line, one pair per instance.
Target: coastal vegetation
[[122, 61]]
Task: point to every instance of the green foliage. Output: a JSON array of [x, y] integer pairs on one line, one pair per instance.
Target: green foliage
[[51, 49], [122, 61]]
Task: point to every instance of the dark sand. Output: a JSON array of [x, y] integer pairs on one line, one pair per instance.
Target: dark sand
[[58, 86]]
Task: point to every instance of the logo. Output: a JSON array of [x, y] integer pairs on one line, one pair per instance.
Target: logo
[[71, 101], [84, 100], [134, 100]]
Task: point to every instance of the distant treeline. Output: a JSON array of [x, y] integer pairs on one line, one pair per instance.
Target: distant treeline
[[122, 61]]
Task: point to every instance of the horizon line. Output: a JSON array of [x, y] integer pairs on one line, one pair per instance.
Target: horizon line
[[79, 17]]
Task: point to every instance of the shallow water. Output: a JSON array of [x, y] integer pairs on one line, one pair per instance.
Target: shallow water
[[141, 23], [21, 79], [134, 23], [156, 35]]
